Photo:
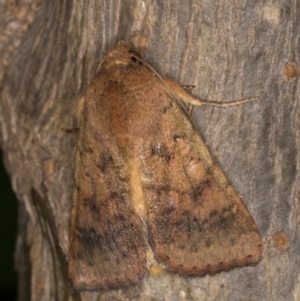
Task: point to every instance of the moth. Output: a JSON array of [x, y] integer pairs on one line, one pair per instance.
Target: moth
[[145, 183]]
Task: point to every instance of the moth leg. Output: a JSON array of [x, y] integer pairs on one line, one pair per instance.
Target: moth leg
[[182, 95]]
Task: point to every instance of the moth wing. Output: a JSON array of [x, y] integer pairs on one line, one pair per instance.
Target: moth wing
[[107, 247], [197, 222]]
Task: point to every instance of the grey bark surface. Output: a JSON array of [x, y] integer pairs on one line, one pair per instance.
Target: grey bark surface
[[229, 50]]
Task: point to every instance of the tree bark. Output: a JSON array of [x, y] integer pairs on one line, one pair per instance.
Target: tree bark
[[229, 50]]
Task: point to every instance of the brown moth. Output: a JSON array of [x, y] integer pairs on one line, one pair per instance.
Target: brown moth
[[146, 182]]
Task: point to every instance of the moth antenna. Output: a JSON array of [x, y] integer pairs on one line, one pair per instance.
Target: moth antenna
[[79, 106], [99, 66], [178, 93], [169, 90]]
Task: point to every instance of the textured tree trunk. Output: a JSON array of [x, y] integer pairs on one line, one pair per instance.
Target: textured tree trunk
[[229, 50]]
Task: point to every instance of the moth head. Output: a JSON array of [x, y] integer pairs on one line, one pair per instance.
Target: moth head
[[121, 54]]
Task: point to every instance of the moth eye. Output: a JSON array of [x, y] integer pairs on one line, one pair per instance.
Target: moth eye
[[135, 60]]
